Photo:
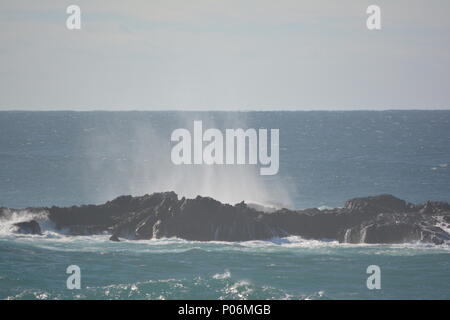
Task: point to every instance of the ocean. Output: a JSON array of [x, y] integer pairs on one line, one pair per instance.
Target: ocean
[[326, 158]]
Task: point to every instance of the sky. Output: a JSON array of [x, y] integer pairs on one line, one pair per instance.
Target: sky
[[224, 55]]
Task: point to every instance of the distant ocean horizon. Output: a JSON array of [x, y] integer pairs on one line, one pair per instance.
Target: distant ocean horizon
[[237, 109], [67, 158], [326, 157]]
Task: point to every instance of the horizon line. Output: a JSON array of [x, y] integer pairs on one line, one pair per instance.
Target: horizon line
[[222, 110]]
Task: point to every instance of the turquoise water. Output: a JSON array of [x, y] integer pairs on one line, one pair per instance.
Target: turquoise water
[[70, 158], [35, 268]]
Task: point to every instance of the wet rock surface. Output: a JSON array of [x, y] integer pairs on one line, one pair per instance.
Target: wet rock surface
[[28, 227], [378, 219]]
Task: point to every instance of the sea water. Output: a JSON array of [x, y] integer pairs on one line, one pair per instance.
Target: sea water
[[73, 158]]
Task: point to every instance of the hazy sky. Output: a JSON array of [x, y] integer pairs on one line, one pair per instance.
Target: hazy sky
[[224, 54]]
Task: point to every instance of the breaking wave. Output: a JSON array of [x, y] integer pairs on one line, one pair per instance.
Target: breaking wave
[[11, 217], [54, 239]]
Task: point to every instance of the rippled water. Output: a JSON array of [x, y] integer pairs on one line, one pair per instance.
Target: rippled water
[[291, 268], [326, 158], [71, 158]]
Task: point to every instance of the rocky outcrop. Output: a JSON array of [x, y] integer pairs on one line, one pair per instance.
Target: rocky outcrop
[[395, 233], [114, 238], [28, 227], [433, 207], [379, 219], [199, 219], [384, 203]]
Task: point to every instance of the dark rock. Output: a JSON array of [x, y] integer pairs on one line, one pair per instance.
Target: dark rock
[[433, 207], [28, 227], [383, 203], [379, 219], [383, 233], [85, 230], [114, 238], [434, 235]]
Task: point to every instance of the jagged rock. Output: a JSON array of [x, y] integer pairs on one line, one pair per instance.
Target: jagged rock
[[85, 230], [28, 227], [379, 219], [382, 233], [114, 238], [434, 235], [433, 207], [383, 203]]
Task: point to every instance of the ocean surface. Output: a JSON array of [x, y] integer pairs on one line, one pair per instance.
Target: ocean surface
[[73, 158]]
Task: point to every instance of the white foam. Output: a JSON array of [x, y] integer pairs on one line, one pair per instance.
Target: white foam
[[58, 240], [11, 217], [221, 276]]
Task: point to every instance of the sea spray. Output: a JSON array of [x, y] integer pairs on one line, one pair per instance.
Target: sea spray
[[136, 160]]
